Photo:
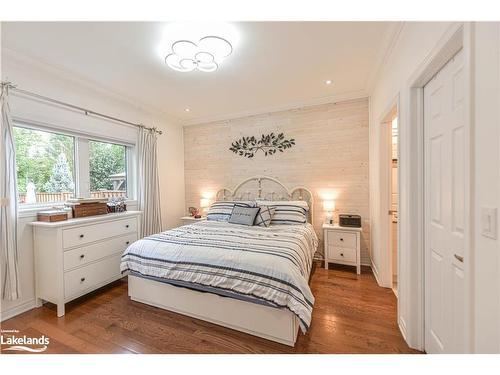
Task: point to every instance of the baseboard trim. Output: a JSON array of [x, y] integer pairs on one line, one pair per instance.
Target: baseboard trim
[[402, 329], [10, 313], [375, 273]]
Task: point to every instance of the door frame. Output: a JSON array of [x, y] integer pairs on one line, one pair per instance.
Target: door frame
[[411, 287], [384, 273]]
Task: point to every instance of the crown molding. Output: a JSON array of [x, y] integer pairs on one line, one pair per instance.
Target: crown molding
[[391, 40], [341, 97], [10, 55]]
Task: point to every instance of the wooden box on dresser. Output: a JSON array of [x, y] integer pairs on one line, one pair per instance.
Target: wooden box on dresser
[[77, 256], [342, 245]]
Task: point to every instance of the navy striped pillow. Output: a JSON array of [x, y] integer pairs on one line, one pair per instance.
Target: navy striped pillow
[[288, 212]]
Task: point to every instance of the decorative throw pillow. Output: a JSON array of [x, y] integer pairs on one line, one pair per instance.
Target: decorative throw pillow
[[263, 218], [288, 212], [243, 215], [221, 210]]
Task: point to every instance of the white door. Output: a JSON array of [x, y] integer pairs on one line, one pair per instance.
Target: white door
[[445, 220]]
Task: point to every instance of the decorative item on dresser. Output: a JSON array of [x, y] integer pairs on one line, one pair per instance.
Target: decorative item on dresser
[[342, 246], [52, 215], [83, 207], [74, 257], [191, 219]]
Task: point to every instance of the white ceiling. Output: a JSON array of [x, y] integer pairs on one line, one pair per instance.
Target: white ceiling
[[274, 64]]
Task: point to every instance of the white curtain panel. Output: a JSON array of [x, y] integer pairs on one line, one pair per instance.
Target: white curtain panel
[[8, 204], [148, 182]]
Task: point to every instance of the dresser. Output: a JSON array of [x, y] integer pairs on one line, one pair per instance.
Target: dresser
[[342, 245], [76, 256]]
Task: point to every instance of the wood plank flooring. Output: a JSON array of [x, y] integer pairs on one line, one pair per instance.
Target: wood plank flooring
[[352, 314]]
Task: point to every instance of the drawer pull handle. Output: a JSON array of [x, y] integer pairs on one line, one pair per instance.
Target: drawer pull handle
[[82, 279], [82, 256], [341, 254], [81, 235], [342, 239], [126, 226], [127, 242]]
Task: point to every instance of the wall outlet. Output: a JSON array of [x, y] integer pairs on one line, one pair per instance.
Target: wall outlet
[[489, 222]]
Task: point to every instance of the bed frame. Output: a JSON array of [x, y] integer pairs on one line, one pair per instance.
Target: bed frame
[[271, 323]]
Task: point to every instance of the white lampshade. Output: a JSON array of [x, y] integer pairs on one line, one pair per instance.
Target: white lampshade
[[329, 205], [204, 202]]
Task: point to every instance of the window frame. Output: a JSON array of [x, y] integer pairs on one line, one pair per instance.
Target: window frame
[[81, 168]]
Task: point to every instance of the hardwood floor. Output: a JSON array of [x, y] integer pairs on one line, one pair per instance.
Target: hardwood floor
[[352, 314]]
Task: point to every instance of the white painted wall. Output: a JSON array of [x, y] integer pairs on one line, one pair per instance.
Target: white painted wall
[[487, 185], [412, 46], [58, 84]]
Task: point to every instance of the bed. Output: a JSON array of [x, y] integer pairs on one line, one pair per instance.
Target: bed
[[249, 278]]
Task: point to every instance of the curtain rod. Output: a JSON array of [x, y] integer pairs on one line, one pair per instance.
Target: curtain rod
[[86, 111]]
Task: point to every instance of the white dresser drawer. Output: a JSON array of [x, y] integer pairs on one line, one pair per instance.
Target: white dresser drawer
[[342, 254], [342, 239], [82, 279], [86, 254], [95, 232]]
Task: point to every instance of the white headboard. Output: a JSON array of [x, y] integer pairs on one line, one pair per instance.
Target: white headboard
[[266, 188]]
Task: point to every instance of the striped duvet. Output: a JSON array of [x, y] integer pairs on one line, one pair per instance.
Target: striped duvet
[[269, 264]]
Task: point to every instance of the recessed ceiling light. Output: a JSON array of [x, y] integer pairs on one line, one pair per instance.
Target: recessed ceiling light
[[186, 109], [328, 82]]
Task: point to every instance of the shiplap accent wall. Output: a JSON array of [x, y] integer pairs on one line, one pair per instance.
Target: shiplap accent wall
[[330, 157]]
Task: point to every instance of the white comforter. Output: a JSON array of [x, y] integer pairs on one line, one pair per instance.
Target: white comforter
[[271, 264]]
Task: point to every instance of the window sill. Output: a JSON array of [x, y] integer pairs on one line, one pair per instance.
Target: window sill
[[30, 210]]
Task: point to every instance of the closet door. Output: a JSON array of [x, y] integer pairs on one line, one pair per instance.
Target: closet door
[[445, 187]]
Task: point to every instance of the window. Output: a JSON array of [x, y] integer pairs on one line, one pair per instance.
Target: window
[[108, 170], [45, 166], [53, 167]]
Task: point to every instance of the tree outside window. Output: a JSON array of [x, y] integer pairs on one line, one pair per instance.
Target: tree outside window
[[46, 167]]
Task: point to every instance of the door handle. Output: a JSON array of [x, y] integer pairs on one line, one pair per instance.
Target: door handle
[[459, 258], [390, 212]]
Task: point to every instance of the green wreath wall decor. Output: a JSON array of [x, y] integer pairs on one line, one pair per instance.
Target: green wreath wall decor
[[268, 144]]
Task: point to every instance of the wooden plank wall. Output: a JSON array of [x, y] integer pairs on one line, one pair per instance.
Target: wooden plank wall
[[330, 157]]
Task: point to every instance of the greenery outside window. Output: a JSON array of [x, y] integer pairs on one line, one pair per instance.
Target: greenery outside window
[[45, 166], [108, 169], [53, 167]]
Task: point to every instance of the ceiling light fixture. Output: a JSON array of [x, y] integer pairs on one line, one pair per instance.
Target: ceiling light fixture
[[186, 110], [328, 82], [205, 56]]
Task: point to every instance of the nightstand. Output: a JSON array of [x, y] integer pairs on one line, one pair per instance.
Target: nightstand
[[191, 219], [342, 245]]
